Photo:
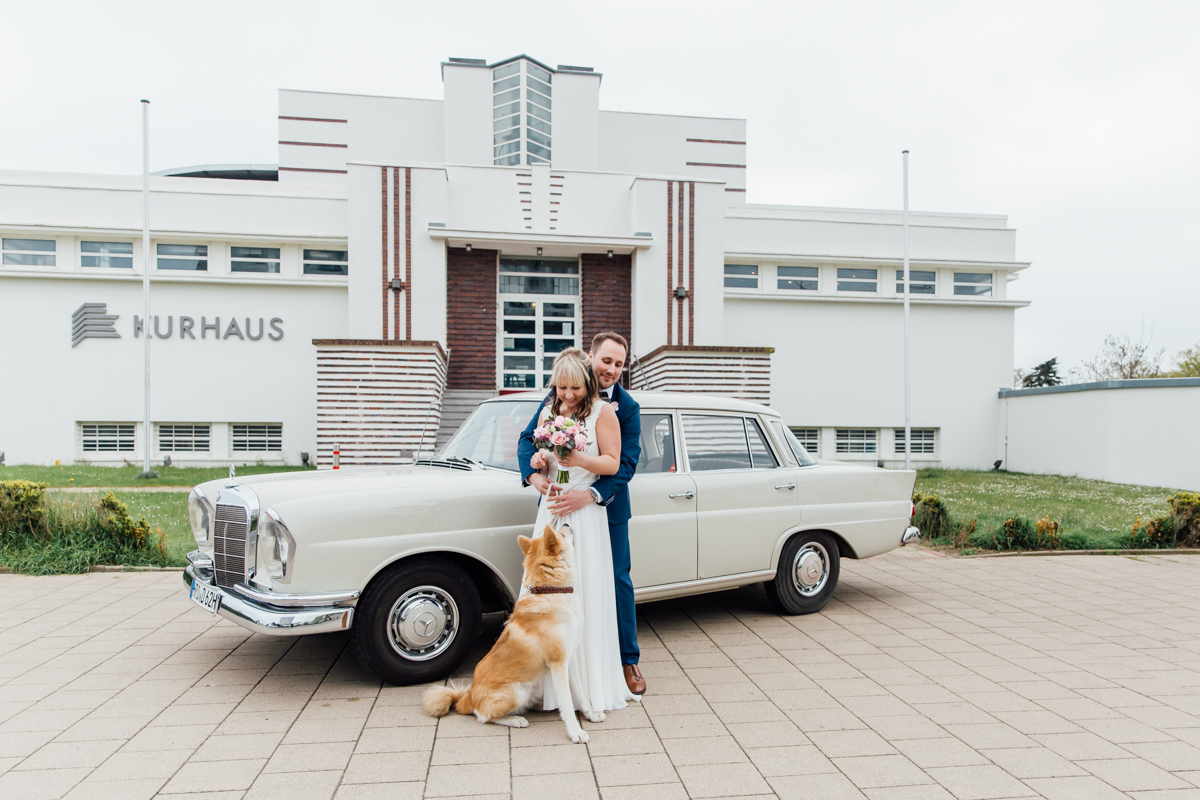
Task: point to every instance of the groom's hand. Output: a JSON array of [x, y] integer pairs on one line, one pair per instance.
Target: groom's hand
[[540, 482], [570, 502]]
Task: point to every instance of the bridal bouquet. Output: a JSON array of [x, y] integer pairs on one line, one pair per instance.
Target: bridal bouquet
[[560, 436]]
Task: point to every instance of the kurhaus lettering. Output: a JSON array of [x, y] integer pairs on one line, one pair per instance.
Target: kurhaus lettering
[[187, 328]]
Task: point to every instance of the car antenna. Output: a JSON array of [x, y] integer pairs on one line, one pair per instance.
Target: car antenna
[[424, 428]]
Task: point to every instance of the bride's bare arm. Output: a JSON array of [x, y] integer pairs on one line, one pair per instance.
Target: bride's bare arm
[[608, 438]]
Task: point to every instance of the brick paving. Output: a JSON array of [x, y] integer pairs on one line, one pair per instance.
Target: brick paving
[[925, 677]]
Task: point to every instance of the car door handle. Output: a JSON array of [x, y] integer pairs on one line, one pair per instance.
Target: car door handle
[[688, 495], [786, 486]]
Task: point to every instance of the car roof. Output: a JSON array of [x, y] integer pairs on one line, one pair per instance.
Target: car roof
[[689, 401]]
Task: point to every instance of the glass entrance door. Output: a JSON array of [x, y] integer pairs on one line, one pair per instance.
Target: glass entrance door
[[538, 316]]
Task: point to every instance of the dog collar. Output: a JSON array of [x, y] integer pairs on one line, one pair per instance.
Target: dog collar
[[550, 589]]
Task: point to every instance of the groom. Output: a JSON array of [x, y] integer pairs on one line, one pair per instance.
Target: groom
[[609, 353]]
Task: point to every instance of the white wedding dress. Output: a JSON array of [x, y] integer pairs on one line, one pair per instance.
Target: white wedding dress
[[595, 667]]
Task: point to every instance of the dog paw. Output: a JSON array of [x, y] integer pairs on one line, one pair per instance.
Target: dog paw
[[594, 716], [520, 722], [580, 738]]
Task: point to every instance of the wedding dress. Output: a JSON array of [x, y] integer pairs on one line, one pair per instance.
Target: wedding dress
[[595, 666]]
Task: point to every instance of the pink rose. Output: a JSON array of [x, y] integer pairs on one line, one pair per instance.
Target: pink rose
[[558, 439], [539, 433], [560, 421], [581, 437]]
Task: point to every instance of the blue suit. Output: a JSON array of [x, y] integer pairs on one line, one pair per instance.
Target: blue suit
[[614, 495]]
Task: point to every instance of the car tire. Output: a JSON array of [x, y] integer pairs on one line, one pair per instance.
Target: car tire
[[418, 621], [808, 573]]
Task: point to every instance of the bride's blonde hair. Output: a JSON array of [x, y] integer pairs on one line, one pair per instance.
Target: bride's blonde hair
[[573, 368]]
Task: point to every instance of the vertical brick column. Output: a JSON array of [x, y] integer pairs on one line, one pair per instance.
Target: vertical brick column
[[471, 318], [606, 295]]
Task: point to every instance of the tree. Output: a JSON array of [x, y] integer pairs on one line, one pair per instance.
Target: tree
[[1187, 363], [1123, 359], [1044, 374]]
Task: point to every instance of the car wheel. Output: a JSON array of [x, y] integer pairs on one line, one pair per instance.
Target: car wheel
[[417, 622], [807, 574]]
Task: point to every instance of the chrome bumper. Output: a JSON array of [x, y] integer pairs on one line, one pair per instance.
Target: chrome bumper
[[275, 620], [911, 534]]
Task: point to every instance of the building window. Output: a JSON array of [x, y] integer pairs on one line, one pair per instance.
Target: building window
[[923, 281], [254, 259], [857, 279], [326, 262], [797, 278], [923, 440], [254, 438], [183, 438], [106, 254], [857, 440], [973, 283], [513, 88], [107, 437], [741, 276], [539, 318], [183, 256], [810, 438], [29, 252]]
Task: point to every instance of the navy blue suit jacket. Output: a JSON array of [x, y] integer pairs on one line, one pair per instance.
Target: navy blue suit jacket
[[613, 489]]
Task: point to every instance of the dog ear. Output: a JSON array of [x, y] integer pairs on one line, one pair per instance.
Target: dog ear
[[525, 543], [553, 545]]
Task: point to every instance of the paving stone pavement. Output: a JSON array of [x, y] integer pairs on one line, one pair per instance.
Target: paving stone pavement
[[925, 677]]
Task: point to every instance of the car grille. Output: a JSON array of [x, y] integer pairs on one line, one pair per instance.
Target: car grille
[[230, 530]]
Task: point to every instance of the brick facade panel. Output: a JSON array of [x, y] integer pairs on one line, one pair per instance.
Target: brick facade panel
[[606, 288], [471, 318]]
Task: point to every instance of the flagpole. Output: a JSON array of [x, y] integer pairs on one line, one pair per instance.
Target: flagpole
[[907, 349], [147, 263]]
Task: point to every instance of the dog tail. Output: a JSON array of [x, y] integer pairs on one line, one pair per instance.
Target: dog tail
[[439, 700]]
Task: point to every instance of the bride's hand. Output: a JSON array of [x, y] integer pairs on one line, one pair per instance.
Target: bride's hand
[[572, 459], [538, 460]]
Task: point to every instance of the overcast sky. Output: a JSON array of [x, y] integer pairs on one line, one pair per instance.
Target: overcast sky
[[1078, 120]]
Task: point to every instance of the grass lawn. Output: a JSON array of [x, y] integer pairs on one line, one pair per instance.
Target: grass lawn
[[86, 475], [1104, 512]]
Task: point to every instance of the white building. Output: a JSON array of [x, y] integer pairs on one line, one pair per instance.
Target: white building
[[407, 257]]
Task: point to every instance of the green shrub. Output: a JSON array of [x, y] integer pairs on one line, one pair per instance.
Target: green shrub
[[22, 508], [1016, 533], [1157, 532], [1185, 509], [932, 517], [114, 517], [1049, 534]]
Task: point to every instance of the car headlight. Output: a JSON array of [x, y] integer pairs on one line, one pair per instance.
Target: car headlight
[[200, 515], [276, 547]]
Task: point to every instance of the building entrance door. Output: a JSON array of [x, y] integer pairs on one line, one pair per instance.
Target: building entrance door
[[539, 315]]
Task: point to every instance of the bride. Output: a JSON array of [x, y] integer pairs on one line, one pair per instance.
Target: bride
[[595, 666]]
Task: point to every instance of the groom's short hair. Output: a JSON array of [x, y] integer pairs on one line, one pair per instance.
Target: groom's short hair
[[609, 336]]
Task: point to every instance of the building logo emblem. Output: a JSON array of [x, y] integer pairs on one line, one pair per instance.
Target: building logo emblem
[[90, 321]]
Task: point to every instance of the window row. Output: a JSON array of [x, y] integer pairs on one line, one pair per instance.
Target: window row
[[521, 95], [120, 437], [794, 279], [170, 256], [867, 441]]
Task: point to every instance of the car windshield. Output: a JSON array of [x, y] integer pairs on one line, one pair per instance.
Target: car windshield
[[489, 436]]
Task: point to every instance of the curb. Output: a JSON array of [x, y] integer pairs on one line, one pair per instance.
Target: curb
[[107, 568], [1016, 553]]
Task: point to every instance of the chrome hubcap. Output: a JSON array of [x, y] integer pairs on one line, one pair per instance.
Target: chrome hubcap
[[422, 623], [811, 569]]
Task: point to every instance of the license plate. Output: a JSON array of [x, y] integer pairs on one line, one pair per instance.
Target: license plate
[[205, 596]]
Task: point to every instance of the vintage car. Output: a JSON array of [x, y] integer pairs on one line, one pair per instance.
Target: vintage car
[[410, 557]]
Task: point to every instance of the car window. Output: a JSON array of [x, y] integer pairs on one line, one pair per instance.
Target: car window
[[789, 438], [760, 451], [715, 442], [490, 434], [788, 455], [658, 444]]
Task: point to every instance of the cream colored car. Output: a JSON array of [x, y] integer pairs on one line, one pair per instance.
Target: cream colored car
[[409, 558]]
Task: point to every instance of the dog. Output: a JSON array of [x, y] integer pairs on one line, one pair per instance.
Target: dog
[[541, 634]]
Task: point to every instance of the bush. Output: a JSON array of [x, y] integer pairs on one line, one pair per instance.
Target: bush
[[1016, 533], [1157, 532], [22, 508], [61, 536], [932, 517], [1185, 510], [1049, 534]]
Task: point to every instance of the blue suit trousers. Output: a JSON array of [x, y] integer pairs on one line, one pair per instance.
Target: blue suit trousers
[[626, 611]]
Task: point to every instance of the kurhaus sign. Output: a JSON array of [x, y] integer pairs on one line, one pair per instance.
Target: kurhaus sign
[[91, 321]]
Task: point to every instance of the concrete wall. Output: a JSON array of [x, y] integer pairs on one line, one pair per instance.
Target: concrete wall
[[1139, 431]]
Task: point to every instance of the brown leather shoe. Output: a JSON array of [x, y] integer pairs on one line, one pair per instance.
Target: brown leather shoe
[[634, 679]]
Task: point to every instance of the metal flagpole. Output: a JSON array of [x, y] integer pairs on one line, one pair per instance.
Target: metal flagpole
[[907, 349], [147, 261]]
